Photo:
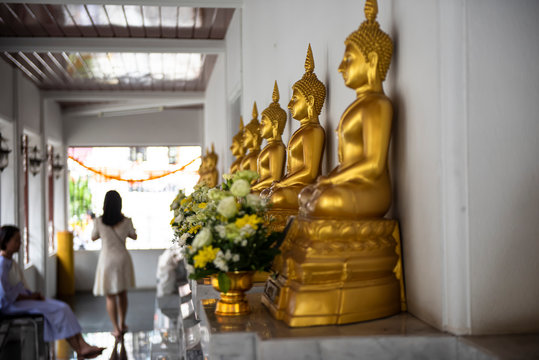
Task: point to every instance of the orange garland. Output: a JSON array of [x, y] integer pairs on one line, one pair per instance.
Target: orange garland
[[112, 177]]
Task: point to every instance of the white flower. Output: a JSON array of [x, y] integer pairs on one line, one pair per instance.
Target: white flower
[[247, 231], [202, 239], [216, 194], [240, 188], [178, 219], [220, 262], [183, 239], [236, 257], [248, 175], [221, 230], [228, 255], [227, 207], [244, 243], [253, 201]]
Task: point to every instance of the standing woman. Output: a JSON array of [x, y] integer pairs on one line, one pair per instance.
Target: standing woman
[[114, 273]]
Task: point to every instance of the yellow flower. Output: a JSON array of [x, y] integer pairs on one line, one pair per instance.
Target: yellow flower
[[194, 229], [202, 205], [207, 254], [185, 201], [251, 220]]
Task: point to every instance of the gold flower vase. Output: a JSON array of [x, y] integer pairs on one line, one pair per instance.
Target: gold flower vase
[[234, 302]]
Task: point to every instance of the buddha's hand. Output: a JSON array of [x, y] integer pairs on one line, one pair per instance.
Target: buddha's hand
[[275, 185], [323, 180]]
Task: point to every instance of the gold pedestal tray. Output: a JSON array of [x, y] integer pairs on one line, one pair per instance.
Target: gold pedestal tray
[[233, 302], [335, 272]]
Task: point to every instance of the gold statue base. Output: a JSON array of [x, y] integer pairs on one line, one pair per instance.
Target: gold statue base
[[336, 272], [278, 218]]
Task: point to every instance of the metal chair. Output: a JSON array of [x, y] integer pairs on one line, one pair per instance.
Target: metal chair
[[14, 329]]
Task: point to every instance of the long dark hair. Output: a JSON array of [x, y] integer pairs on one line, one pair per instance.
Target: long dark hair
[[112, 208], [6, 233]]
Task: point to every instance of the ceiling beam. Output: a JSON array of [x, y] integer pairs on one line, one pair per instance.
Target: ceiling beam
[[112, 45], [106, 109], [185, 3], [122, 95]]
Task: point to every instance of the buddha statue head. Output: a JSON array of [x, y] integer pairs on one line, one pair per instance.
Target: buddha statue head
[[251, 132], [211, 158], [273, 118], [368, 52], [237, 148], [308, 94]]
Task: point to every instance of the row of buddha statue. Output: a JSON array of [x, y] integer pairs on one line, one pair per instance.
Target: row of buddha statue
[[340, 261]]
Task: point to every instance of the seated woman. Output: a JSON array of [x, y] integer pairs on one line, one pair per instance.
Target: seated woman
[[15, 298], [359, 186]]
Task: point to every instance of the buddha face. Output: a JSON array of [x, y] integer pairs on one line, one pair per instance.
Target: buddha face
[[298, 105], [354, 68], [248, 139], [266, 127], [235, 147], [210, 163]]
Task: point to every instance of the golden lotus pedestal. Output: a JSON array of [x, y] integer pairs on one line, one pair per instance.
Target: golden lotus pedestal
[[336, 272]]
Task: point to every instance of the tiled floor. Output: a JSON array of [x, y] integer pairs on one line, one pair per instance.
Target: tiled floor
[[142, 341]]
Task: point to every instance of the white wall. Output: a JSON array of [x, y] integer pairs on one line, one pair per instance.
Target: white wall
[[144, 263], [168, 127], [29, 105], [414, 89], [8, 198], [503, 113], [6, 90], [215, 110]]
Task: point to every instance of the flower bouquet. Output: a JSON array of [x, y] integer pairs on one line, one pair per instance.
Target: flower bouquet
[[227, 234], [188, 216]]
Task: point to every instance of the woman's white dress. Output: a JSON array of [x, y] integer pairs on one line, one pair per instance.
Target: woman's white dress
[[114, 272]]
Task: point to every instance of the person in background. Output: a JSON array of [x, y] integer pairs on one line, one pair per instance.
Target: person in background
[[16, 298], [114, 273]]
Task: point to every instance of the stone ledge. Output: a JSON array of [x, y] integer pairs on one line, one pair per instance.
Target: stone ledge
[[259, 336]]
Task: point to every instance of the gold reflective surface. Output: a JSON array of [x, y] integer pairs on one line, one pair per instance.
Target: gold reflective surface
[[251, 141], [306, 145], [271, 160], [208, 172], [234, 302], [237, 148], [340, 258]]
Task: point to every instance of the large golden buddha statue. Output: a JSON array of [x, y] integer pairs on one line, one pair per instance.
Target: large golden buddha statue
[[209, 174], [237, 148], [251, 141], [306, 145], [340, 257], [272, 157]]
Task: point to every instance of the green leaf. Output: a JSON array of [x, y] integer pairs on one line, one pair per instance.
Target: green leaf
[[224, 282]]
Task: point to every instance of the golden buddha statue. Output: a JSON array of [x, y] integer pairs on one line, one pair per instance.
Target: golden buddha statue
[[340, 257], [305, 148], [251, 141], [209, 174], [272, 158], [237, 149]]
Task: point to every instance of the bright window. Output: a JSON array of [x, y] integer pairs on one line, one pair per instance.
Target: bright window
[[147, 178]]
